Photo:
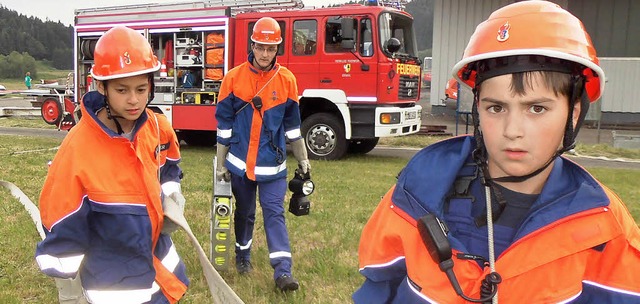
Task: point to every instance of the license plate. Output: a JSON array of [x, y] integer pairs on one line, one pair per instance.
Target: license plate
[[410, 115]]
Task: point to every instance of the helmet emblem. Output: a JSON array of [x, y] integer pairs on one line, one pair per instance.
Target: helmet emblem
[[503, 32], [127, 58]]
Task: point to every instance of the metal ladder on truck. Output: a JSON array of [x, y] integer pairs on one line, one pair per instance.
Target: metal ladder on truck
[[123, 12], [399, 4], [237, 6]]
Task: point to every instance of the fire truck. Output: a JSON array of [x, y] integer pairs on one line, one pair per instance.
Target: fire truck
[[356, 66]]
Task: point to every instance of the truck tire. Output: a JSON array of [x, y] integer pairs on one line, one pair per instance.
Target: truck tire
[[363, 146], [324, 136], [51, 111]]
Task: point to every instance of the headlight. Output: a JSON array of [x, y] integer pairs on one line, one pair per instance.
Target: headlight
[[389, 118]]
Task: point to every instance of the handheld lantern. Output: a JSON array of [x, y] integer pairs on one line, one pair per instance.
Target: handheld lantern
[[301, 186]]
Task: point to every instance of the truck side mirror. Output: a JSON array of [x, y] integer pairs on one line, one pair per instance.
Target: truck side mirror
[[393, 45]]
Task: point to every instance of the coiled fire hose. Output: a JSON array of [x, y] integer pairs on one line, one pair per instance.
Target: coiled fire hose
[[70, 290]]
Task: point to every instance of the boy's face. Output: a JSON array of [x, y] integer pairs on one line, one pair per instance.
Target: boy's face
[[127, 96], [521, 133], [264, 54]]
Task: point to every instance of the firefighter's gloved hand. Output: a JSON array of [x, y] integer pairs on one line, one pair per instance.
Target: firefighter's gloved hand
[[299, 150], [175, 198], [222, 173]]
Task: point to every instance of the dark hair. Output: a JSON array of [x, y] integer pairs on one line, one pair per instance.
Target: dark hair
[[556, 73], [559, 83]]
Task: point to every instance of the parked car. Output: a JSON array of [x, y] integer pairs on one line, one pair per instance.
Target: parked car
[[426, 72]]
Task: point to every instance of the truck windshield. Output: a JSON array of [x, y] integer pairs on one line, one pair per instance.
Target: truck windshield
[[393, 25]]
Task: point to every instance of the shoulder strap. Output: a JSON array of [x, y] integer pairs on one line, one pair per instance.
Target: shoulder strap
[[466, 175]]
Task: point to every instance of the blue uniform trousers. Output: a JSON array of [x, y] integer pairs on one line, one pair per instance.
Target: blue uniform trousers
[[271, 196]]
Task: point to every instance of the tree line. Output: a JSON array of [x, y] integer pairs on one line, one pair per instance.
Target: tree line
[[24, 38]]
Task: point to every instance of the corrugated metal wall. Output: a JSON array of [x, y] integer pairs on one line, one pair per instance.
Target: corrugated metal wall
[[453, 23], [613, 25], [622, 92]]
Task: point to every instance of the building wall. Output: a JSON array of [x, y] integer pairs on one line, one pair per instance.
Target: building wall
[[612, 24], [453, 23], [613, 27]]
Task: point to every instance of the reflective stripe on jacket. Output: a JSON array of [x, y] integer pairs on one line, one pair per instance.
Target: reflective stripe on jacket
[[102, 212], [257, 138], [579, 243]]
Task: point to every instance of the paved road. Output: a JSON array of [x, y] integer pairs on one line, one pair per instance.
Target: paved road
[[384, 151]]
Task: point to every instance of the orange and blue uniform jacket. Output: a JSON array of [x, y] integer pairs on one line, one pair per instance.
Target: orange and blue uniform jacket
[[257, 138], [577, 244], [101, 208]]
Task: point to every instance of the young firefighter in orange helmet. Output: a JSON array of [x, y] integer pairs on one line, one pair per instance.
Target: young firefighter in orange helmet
[[257, 108], [501, 216], [102, 201]]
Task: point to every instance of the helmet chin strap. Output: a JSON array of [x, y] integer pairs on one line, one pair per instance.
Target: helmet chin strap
[[255, 61], [110, 116], [268, 68], [568, 141], [108, 108]]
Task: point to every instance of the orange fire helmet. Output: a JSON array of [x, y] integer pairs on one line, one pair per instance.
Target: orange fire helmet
[[123, 52], [537, 28], [266, 31]]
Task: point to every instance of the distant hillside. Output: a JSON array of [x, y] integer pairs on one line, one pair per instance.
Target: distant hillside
[[43, 40]]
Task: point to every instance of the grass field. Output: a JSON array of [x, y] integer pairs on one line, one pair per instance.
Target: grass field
[[324, 243], [45, 71]]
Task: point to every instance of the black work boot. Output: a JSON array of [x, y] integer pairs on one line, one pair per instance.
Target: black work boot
[[287, 283], [244, 266]]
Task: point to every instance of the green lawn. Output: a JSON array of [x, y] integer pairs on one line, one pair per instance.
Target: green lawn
[[45, 71], [324, 243]]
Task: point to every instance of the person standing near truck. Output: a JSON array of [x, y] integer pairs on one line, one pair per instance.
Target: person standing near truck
[[102, 201], [257, 108]]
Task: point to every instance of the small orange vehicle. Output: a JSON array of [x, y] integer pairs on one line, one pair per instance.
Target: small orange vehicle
[[451, 89]]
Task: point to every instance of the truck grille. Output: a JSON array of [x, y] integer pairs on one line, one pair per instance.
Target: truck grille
[[408, 87]]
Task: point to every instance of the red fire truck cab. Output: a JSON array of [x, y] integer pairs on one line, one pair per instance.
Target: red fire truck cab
[[356, 66]]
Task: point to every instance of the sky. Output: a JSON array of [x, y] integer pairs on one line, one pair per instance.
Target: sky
[[63, 10]]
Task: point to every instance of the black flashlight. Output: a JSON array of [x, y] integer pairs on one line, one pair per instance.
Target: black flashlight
[[301, 186]]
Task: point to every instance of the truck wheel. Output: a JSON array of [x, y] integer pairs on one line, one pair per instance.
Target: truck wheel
[[51, 111], [324, 136], [363, 146]]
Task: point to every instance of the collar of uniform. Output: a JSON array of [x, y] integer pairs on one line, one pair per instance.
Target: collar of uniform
[[92, 102], [569, 189]]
